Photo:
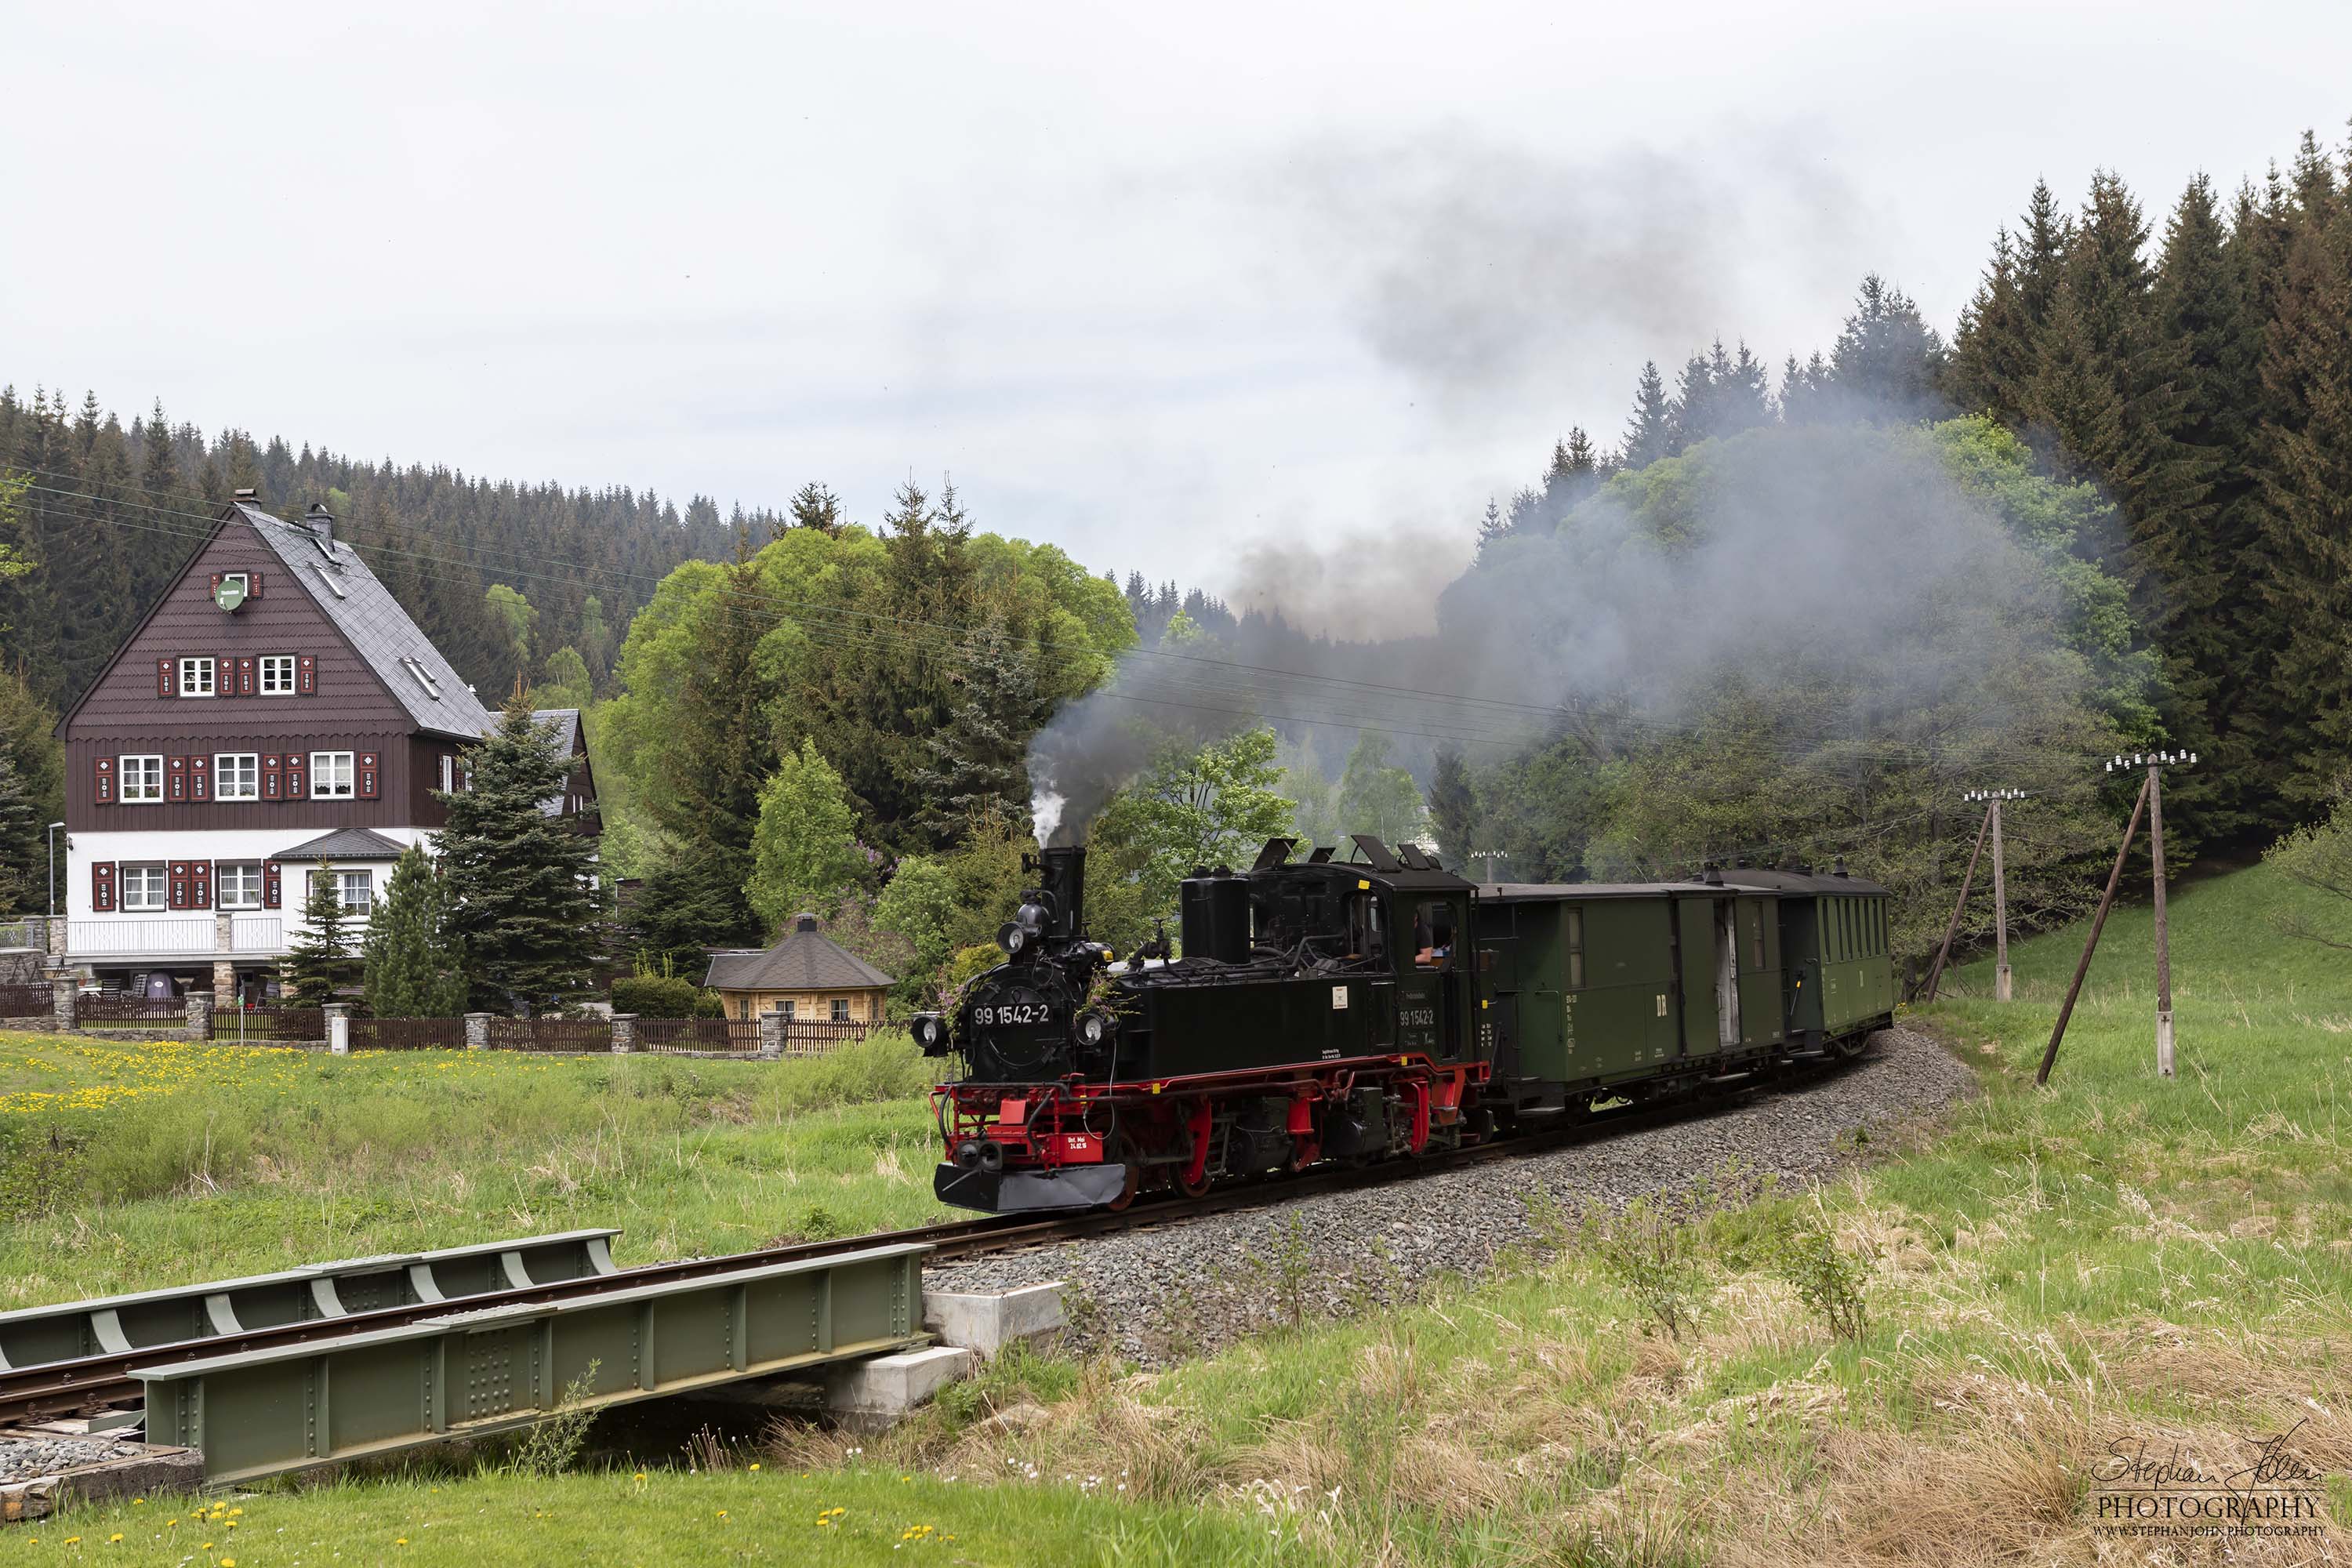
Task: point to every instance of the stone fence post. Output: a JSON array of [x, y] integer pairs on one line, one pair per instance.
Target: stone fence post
[[223, 965], [339, 1027], [772, 1033], [200, 1017], [625, 1032], [63, 984], [477, 1031], [53, 937]]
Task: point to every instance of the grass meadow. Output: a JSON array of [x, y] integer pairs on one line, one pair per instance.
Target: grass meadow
[[2047, 1279], [127, 1166]]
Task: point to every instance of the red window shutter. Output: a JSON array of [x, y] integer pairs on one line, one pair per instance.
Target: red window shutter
[[102, 788], [253, 584], [167, 679], [244, 677], [177, 893], [225, 676], [102, 886], [298, 774], [366, 764], [217, 583], [200, 885], [273, 776], [175, 778], [200, 778], [306, 674], [270, 885]]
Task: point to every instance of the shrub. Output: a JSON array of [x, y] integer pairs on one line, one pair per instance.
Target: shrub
[[1827, 1282], [658, 996]]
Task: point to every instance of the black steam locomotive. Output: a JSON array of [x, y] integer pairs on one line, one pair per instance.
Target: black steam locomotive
[[1330, 1010]]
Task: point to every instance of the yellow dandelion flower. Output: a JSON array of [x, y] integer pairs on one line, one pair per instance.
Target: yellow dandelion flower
[[116, 1536], [228, 1562], [73, 1540], [403, 1540], [755, 1466]]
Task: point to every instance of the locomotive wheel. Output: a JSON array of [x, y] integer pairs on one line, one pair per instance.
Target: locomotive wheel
[[1126, 1194], [1191, 1189]]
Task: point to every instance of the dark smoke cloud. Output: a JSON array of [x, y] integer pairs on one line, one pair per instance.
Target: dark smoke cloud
[[1844, 553]]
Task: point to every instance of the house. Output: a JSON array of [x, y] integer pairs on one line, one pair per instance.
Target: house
[[579, 797], [807, 977], [275, 714]]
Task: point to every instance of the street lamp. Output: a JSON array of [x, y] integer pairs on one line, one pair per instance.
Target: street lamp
[[53, 866]]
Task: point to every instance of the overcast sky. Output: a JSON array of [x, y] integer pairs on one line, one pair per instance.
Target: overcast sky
[[1157, 284]]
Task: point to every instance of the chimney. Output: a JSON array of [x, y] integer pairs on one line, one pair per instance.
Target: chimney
[[320, 521], [804, 922], [247, 494]]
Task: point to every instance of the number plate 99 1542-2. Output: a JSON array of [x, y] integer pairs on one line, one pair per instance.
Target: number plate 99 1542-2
[[1022, 1014]]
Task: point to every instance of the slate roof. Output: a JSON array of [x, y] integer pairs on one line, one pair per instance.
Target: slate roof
[[807, 960], [565, 722], [346, 844], [371, 619]]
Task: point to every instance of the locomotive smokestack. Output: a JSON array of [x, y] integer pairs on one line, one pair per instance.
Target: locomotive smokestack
[[1063, 871]]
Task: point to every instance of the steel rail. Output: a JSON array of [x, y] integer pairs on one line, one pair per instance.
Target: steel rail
[[63, 1388]]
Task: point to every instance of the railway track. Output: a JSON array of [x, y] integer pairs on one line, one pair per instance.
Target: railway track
[[89, 1384]]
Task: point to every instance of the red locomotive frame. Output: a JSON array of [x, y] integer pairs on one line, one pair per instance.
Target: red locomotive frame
[[1162, 1130]]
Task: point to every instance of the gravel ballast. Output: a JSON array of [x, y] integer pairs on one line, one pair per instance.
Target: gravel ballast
[[1188, 1287], [24, 1458]]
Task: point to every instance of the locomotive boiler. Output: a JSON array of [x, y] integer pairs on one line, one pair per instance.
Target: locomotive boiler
[[1330, 1010]]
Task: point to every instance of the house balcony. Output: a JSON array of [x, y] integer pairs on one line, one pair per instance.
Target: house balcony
[[116, 940]]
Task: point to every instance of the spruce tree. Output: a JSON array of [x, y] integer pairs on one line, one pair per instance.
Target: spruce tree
[[411, 969], [687, 903], [20, 838], [1649, 434], [2305, 479], [524, 907], [1993, 351], [319, 963], [978, 761], [1453, 809], [1887, 358]]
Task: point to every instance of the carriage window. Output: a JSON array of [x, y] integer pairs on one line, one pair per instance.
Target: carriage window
[[1755, 936], [1576, 949], [1367, 932], [1433, 934]]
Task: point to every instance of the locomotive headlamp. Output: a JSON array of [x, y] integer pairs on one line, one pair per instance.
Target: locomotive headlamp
[[931, 1034], [1090, 1029], [1011, 936]]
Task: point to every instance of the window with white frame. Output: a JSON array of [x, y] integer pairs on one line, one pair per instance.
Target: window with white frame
[[277, 675], [448, 774], [236, 885], [142, 886], [787, 1007], [356, 888], [142, 779], [331, 775], [236, 776], [841, 1009], [196, 678]]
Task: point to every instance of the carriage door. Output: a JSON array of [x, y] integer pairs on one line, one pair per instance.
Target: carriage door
[[1695, 957], [1726, 975]]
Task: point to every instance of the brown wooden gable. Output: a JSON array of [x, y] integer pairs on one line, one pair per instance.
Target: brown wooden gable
[[137, 694]]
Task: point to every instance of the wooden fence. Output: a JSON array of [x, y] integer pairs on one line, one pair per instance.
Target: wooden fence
[[26, 1001], [551, 1034], [126, 1013], [273, 1026], [410, 1035], [673, 1035], [815, 1037]]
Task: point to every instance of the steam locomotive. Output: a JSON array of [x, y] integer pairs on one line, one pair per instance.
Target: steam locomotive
[[1331, 1011]]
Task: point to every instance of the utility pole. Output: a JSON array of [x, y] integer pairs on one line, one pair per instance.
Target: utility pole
[[2098, 923], [1944, 954], [1488, 856], [2002, 988], [2156, 762]]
